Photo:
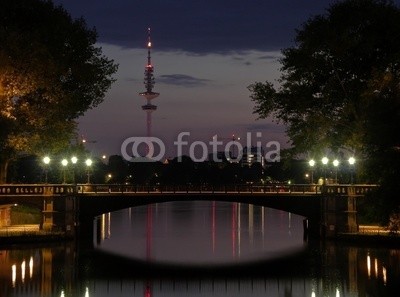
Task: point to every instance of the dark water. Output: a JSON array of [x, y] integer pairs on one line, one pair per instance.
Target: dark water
[[199, 249]]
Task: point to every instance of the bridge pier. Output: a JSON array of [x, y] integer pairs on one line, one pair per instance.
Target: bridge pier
[[339, 213], [59, 214]]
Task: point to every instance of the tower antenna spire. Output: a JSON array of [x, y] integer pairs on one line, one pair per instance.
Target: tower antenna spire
[[149, 85], [148, 46]]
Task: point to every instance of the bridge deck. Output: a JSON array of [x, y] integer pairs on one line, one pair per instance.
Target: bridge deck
[[133, 190]]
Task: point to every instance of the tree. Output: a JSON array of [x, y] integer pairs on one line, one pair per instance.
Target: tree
[[51, 72], [339, 87], [326, 77]]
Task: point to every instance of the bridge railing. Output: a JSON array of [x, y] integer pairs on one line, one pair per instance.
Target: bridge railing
[[236, 188], [360, 189], [36, 189], [68, 189]]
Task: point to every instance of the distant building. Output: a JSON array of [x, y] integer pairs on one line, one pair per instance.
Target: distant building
[[252, 155]]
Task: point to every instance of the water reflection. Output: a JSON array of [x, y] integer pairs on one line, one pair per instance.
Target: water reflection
[[322, 269], [200, 232]]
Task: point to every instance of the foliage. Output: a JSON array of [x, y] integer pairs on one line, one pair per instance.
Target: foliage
[[330, 79], [51, 72], [339, 92]]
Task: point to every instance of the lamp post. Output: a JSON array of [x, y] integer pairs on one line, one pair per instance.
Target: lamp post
[[46, 161], [64, 164], [88, 163], [325, 161], [352, 161], [312, 164], [74, 160], [336, 164]]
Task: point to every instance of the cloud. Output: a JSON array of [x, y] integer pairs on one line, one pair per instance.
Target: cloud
[[182, 80], [271, 127], [270, 57]]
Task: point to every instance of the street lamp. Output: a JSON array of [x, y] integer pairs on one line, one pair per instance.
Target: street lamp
[[108, 178], [336, 164], [88, 163], [325, 161], [74, 160], [312, 164], [64, 163], [46, 161], [352, 161]]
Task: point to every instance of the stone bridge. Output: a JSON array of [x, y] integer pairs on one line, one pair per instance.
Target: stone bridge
[[328, 209]]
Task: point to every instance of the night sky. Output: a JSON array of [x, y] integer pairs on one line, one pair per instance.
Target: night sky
[[205, 54]]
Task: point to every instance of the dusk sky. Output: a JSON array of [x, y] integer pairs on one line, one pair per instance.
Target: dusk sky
[[205, 54]]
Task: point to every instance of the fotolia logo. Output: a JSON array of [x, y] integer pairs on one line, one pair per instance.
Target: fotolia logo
[[200, 151]]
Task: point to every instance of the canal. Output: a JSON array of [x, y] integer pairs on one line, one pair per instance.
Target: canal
[[199, 248]]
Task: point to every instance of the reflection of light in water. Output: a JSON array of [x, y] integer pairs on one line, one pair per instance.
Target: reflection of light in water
[[239, 231], [23, 271], [337, 292], [290, 223], [13, 274], [62, 293], [105, 229], [369, 266], [312, 294], [384, 274], [251, 224], [262, 223], [376, 268], [87, 292], [109, 225], [31, 267]]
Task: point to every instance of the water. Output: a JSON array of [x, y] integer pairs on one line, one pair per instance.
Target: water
[[199, 249]]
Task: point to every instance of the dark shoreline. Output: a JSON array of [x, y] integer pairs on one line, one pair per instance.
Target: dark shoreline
[[34, 238], [374, 240]]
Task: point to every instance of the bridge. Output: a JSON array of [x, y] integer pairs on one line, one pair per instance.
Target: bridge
[[328, 209]]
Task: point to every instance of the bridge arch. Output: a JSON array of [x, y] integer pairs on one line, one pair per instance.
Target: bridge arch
[[328, 207]]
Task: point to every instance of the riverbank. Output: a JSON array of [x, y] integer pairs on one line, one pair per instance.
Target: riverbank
[[370, 239], [29, 233], [34, 238]]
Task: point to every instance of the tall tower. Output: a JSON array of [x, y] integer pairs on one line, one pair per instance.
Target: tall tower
[[149, 84]]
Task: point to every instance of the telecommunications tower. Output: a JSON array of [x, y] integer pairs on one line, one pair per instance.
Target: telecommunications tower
[[149, 84]]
